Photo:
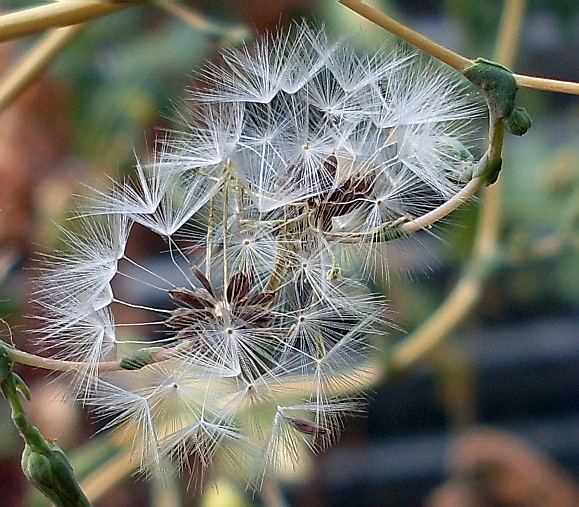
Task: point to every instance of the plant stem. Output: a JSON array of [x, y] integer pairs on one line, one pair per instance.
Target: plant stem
[[513, 17], [19, 356], [140, 359], [457, 200], [43, 462], [418, 40], [549, 85], [468, 290], [504, 53], [57, 14], [509, 31], [35, 62], [203, 24], [446, 317]]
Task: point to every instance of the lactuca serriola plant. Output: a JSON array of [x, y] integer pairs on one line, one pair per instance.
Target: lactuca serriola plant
[[244, 339]]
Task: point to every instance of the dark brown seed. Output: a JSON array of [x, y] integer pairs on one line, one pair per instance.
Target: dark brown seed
[[203, 279], [307, 427], [331, 165], [198, 298], [262, 299], [238, 287], [179, 318], [187, 317]]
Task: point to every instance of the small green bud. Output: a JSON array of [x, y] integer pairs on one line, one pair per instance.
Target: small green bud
[[51, 473], [518, 121], [43, 462]]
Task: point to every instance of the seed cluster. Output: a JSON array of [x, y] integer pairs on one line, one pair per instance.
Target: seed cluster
[[297, 164]]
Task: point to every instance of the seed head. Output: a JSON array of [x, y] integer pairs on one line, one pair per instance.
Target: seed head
[[299, 153]]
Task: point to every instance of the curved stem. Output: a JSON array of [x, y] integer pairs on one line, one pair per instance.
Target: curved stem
[[457, 61], [404, 226], [35, 62], [483, 175], [468, 290], [449, 314], [455, 202], [418, 40], [57, 14]]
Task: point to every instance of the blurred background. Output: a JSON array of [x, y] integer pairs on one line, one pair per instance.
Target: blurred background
[[490, 418]]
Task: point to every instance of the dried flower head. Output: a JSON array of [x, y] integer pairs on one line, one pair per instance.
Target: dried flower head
[[246, 337]]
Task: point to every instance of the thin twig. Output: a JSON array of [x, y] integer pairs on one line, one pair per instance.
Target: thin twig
[[418, 40], [455, 202], [410, 226], [453, 59], [35, 62], [513, 18], [142, 358], [57, 14], [509, 31], [202, 23], [548, 85], [46, 363]]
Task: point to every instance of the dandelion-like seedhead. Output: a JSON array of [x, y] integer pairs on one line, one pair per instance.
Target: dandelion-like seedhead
[[250, 330]]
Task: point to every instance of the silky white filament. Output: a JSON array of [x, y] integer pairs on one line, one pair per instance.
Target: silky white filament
[[298, 154]]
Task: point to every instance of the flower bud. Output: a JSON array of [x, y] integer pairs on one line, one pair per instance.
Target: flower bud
[[50, 471]]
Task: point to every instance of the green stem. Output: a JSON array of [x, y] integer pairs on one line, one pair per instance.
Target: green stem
[[44, 463]]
